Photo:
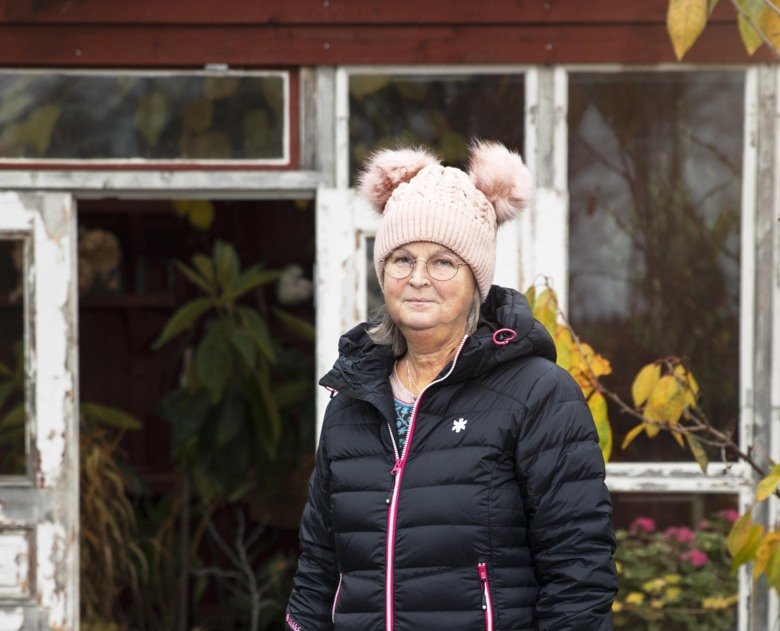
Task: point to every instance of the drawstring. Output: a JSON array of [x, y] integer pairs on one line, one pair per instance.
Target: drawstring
[[502, 337], [333, 391]]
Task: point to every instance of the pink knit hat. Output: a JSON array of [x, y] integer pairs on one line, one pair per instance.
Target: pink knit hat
[[421, 200]]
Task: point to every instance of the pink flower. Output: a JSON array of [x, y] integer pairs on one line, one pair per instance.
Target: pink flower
[[695, 557], [681, 535], [643, 524], [729, 514]]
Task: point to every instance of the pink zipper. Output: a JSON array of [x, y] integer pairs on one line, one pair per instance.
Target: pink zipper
[[291, 623], [336, 600], [392, 512], [487, 601]]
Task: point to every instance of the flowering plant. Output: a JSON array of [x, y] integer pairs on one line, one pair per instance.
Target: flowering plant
[[677, 578]]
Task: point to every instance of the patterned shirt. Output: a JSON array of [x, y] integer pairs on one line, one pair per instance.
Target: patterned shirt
[[404, 405]]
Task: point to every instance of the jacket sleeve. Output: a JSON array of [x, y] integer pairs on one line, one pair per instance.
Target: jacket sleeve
[[314, 584], [570, 535]]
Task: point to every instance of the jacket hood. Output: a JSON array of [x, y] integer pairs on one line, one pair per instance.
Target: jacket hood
[[363, 368]]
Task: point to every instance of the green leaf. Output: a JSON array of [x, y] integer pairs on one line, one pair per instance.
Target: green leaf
[[183, 318], [195, 278], [685, 21], [546, 310], [205, 266], [186, 413], [292, 393], [255, 276], [275, 420], [302, 328], [226, 263], [751, 38], [14, 418], [213, 362], [109, 416], [698, 451], [242, 341], [6, 390], [258, 329], [231, 415], [711, 6]]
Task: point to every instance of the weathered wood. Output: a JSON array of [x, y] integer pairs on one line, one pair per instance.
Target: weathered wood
[[280, 12], [132, 46]]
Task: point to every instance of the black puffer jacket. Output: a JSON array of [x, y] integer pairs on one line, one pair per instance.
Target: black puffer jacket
[[495, 517]]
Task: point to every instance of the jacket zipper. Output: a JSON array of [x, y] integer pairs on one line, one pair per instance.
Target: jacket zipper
[[487, 601], [336, 600], [392, 513]]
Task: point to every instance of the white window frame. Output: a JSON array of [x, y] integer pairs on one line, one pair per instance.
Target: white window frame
[[546, 153]]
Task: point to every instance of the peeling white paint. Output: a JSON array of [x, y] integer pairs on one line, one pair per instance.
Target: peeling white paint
[[51, 543], [11, 619], [14, 565]]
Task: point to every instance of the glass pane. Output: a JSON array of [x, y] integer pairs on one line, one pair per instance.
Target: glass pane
[[12, 393], [196, 117], [655, 162], [673, 565], [441, 112]]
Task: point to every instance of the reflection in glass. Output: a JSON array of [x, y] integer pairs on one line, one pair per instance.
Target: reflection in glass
[[441, 112], [654, 175], [102, 116], [12, 411]]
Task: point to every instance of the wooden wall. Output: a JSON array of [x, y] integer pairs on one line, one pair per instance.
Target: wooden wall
[[267, 33]]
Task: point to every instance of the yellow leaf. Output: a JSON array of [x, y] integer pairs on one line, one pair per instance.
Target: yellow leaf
[[750, 36], [35, 130], [666, 402], [698, 451], [689, 385], [767, 486], [598, 408], [744, 539], [644, 383], [564, 344], [678, 438], [651, 430], [361, 86], [546, 310], [202, 214], [765, 549], [220, 87], [198, 114], [151, 116], [632, 434], [685, 20], [530, 296], [773, 568], [770, 25]]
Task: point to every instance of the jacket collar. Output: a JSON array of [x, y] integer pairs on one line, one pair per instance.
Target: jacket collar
[[363, 368]]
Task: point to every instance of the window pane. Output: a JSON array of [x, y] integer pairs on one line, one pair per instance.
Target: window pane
[[103, 116], [673, 565], [442, 112], [12, 375], [655, 162]]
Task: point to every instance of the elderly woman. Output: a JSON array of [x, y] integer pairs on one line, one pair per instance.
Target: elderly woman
[[458, 481]]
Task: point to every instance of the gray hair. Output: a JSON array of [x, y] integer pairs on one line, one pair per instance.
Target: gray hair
[[385, 332]]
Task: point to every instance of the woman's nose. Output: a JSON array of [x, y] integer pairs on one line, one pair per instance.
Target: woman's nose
[[419, 274]]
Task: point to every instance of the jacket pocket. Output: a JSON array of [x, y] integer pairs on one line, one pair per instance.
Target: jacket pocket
[[336, 600], [487, 601]]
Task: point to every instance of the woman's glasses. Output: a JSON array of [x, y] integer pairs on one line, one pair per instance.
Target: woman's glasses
[[438, 267]]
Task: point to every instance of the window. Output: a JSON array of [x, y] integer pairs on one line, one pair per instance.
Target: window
[[150, 116]]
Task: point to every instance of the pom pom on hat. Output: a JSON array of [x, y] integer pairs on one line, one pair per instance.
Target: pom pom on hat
[[387, 169], [502, 177]]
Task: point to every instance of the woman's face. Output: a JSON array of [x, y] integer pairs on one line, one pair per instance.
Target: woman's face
[[420, 302]]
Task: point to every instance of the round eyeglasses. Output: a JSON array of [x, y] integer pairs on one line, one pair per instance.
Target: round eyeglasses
[[438, 267]]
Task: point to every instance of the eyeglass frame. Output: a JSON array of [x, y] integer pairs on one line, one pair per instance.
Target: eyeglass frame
[[427, 271]]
